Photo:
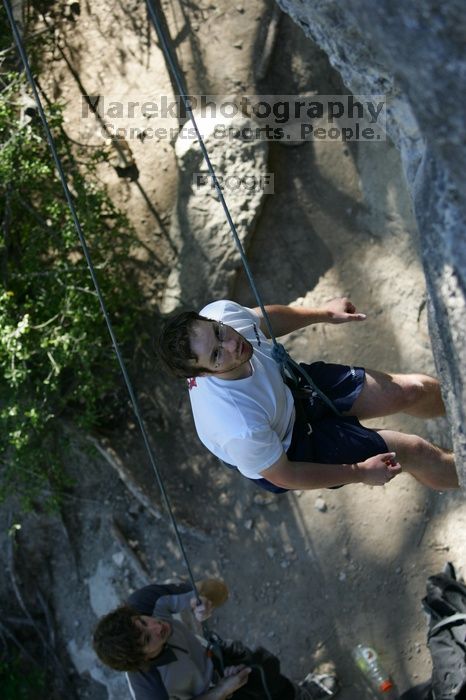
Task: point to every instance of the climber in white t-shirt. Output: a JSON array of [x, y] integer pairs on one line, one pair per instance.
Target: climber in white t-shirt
[[247, 416]]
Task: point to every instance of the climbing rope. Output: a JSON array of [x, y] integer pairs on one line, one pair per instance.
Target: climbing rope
[[82, 238], [279, 353]]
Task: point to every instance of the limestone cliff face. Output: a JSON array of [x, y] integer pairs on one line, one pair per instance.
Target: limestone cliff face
[[414, 53]]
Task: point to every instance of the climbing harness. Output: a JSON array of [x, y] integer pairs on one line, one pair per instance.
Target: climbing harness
[[306, 402]]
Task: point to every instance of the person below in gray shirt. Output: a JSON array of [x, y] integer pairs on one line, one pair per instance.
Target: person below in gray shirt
[[164, 660]]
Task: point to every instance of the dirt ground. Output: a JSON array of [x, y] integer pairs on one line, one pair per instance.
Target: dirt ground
[[311, 574]]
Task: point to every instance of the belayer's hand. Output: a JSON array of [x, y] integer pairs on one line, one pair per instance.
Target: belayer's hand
[[234, 677], [342, 310], [202, 609]]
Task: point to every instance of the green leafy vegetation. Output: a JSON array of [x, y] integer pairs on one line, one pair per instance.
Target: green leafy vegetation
[[19, 683], [56, 359]]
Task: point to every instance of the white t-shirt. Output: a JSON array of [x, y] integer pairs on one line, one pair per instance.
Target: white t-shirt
[[245, 422]]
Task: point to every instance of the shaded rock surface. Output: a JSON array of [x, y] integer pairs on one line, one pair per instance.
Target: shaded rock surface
[[415, 55], [208, 259]]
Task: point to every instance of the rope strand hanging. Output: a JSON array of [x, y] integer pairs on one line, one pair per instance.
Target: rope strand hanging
[[279, 352]]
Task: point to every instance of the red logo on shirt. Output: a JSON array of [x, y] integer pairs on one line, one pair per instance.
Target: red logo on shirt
[[191, 383]]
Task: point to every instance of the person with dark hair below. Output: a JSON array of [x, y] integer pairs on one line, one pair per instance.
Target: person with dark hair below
[[164, 660], [249, 418]]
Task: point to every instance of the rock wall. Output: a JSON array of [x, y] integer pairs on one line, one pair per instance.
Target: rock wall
[[414, 53], [207, 257]]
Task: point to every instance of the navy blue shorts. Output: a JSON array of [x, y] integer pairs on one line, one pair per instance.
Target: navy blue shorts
[[320, 435]]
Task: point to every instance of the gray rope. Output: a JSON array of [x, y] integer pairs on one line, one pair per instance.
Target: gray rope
[[121, 362], [279, 352]]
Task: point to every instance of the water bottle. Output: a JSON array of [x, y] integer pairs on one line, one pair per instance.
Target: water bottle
[[369, 664]]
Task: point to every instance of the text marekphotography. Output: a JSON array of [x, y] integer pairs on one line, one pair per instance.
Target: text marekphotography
[[271, 117]]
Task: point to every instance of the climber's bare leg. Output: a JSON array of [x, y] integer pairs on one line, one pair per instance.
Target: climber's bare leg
[[429, 464], [384, 394]]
